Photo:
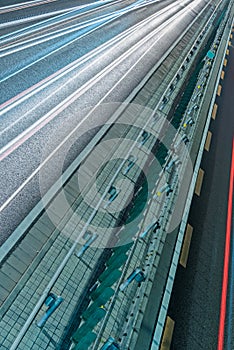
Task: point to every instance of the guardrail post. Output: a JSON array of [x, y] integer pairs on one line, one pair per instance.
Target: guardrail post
[[91, 237], [137, 274], [52, 301]]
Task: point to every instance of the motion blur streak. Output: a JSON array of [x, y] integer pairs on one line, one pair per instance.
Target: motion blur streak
[[226, 258]]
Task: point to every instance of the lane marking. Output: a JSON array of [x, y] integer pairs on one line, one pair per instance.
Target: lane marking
[[214, 112], [225, 62], [226, 258], [199, 182], [219, 90], [186, 245], [167, 334], [222, 74], [208, 141]]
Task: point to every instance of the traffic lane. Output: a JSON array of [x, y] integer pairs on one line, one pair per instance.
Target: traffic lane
[[33, 10], [195, 301], [13, 3], [31, 110], [16, 62], [20, 25], [78, 16]]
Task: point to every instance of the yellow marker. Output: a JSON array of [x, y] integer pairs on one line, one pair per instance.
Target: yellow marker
[[185, 125], [219, 90], [186, 245], [199, 182], [227, 52], [199, 86], [167, 334], [225, 62], [158, 194], [214, 112], [208, 141], [222, 74], [151, 253], [231, 36], [229, 43]]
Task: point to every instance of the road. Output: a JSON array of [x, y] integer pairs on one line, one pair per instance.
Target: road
[[195, 302], [46, 99]]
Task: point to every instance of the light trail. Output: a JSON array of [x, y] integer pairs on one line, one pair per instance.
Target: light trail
[[103, 19], [6, 106], [61, 19], [223, 305], [68, 43], [24, 5], [29, 19]]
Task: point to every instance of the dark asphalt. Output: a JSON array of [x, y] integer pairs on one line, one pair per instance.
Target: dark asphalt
[[195, 301]]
